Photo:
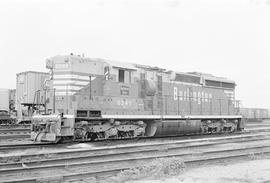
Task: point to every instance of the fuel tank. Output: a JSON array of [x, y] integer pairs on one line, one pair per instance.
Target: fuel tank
[[173, 127]]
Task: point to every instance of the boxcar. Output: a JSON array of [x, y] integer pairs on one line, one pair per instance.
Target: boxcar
[[255, 114]]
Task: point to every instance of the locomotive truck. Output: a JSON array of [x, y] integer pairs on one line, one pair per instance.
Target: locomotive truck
[[93, 99]]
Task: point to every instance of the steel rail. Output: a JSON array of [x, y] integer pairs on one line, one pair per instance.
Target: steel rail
[[130, 151], [6, 146], [101, 166], [155, 141], [10, 126]]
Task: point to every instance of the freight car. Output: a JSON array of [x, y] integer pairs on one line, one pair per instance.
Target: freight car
[[6, 118], [255, 114], [28, 84], [90, 99], [7, 110]]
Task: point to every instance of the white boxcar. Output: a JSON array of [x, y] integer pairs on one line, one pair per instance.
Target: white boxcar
[[255, 114], [4, 99], [27, 85]]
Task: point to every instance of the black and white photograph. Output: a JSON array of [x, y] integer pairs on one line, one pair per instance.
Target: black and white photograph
[[135, 91]]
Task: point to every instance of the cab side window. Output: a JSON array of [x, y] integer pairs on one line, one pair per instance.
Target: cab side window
[[121, 76]]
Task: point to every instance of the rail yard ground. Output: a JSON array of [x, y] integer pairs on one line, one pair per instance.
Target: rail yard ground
[[215, 158], [254, 170]]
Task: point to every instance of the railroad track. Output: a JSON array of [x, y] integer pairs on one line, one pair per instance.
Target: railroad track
[[13, 129], [252, 125], [10, 126], [83, 153], [17, 131], [14, 133], [102, 161], [14, 144]]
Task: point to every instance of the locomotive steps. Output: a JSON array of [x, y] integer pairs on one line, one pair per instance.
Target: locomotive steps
[[70, 164]]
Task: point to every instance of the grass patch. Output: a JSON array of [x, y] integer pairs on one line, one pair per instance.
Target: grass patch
[[156, 169]]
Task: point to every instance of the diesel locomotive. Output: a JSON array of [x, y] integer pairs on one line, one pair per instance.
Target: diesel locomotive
[[93, 99]]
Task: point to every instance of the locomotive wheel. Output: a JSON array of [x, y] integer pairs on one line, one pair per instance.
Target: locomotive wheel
[[92, 136], [59, 140]]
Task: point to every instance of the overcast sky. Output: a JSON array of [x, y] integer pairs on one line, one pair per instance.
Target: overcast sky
[[228, 38]]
